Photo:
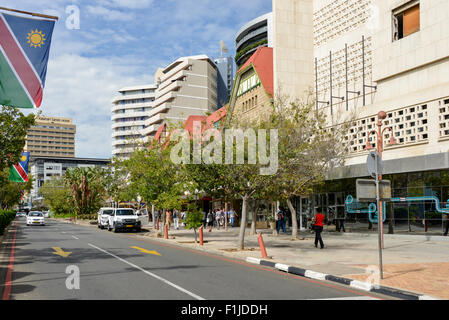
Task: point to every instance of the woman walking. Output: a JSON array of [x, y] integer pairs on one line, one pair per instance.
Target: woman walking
[[318, 221]]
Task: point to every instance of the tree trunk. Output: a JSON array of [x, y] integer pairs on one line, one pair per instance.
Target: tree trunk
[[194, 229], [241, 243], [226, 215], [254, 218], [294, 221]]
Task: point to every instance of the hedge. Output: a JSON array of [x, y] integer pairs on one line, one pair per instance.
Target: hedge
[[5, 218]]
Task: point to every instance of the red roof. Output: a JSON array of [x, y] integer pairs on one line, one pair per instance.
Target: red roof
[[262, 61]]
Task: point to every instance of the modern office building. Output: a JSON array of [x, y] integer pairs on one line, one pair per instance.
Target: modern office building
[[188, 86], [360, 57], [225, 78], [51, 137], [129, 111], [256, 33], [44, 168]]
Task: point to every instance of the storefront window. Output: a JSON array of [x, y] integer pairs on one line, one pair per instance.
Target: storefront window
[[432, 178], [400, 181], [415, 179], [415, 192]]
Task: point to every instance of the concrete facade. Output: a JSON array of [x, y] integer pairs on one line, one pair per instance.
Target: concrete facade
[[187, 87], [129, 111], [293, 47], [410, 75], [51, 136], [254, 31]]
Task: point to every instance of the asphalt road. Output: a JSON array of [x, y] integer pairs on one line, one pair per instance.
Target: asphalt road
[[125, 266]]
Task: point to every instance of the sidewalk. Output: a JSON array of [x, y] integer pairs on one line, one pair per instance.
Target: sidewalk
[[412, 263]]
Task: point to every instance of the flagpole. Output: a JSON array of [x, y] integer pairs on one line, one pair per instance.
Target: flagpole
[[30, 13]]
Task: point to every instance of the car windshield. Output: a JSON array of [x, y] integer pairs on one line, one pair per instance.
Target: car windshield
[[108, 212], [35, 214], [124, 212]]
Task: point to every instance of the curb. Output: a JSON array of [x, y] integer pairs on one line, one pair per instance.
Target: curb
[[365, 286]]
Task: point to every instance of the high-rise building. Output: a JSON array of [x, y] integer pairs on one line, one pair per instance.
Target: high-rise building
[[225, 79], [129, 111], [254, 34], [51, 137], [188, 86], [363, 57]]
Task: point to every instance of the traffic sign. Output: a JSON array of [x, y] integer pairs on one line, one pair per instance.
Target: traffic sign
[[371, 163], [366, 190]]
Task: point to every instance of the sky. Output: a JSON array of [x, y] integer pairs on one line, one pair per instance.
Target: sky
[[122, 43]]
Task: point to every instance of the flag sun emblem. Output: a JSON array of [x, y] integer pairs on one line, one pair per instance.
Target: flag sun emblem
[[36, 38]]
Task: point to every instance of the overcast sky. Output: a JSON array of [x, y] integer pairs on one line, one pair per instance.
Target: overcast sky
[[122, 43]]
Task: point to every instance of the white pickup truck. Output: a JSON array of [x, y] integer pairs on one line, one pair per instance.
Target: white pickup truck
[[103, 217], [124, 219]]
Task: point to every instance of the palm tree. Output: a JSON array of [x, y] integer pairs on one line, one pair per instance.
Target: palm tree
[[87, 188]]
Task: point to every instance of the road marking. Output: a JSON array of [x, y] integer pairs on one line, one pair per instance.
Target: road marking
[[147, 251], [150, 274], [75, 238], [60, 252]]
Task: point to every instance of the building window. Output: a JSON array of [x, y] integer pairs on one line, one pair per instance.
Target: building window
[[406, 20]]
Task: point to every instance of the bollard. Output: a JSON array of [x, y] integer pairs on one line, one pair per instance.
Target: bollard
[[262, 246], [166, 232], [201, 235]]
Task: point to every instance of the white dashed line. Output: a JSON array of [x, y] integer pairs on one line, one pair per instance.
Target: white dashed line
[[150, 274]]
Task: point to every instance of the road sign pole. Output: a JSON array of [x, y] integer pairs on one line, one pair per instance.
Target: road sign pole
[[379, 219]]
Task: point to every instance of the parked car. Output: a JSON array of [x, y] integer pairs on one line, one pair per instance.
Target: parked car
[[46, 213], [124, 219], [103, 217], [35, 218], [21, 214]]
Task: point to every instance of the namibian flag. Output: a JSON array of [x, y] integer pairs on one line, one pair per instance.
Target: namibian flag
[[24, 50], [19, 171]]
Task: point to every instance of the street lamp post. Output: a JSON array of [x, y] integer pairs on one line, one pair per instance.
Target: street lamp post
[[382, 115]]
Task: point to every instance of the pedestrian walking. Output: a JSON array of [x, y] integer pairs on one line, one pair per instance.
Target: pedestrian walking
[[232, 216], [318, 221], [210, 220], [176, 219], [168, 219], [183, 217], [447, 223], [281, 220], [218, 218]]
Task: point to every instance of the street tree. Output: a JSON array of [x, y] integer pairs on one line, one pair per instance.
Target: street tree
[[57, 196], [10, 191], [310, 146], [13, 129], [88, 189]]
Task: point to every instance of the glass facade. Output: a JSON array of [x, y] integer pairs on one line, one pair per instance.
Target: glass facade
[[405, 216]]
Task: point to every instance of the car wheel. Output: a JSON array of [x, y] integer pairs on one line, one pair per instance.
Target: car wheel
[[114, 229], [138, 229]]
